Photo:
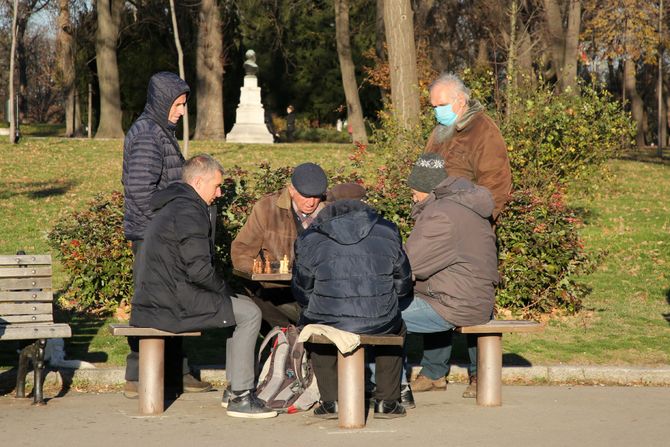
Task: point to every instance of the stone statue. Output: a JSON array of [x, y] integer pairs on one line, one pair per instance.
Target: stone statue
[[250, 67]]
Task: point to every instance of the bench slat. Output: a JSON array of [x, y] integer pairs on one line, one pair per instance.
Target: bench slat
[[500, 326], [21, 296], [127, 330], [24, 309], [379, 340], [27, 332], [18, 319], [25, 283], [22, 272], [25, 259]]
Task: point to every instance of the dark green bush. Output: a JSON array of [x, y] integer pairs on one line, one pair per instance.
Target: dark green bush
[[96, 254], [540, 254]]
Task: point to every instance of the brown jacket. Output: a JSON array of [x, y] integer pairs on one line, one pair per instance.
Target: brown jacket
[[452, 251], [270, 227], [477, 152]]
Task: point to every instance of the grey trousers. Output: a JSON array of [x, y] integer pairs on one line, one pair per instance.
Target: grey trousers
[[241, 346]]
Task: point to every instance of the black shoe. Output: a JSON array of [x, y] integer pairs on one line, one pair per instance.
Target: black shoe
[[247, 405], [225, 398], [193, 385], [389, 409], [406, 397], [327, 409]]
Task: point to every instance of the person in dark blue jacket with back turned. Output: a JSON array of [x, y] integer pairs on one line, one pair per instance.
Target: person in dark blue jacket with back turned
[[152, 160], [350, 271]]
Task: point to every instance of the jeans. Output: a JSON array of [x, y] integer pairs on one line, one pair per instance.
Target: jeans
[[421, 318]]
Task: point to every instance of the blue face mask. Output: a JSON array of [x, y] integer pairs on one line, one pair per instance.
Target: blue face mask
[[445, 115]]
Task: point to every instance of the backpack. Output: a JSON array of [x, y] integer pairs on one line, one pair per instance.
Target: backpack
[[286, 381]]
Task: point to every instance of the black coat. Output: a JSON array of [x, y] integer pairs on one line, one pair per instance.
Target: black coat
[[350, 270], [151, 155], [177, 288]]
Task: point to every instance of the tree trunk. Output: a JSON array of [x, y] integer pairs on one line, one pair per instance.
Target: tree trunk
[[636, 104], [209, 69], [569, 78], [66, 66], [564, 41], [354, 109], [482, 60], [402, 61], [180, 61], [106, 37], [380, 40], [25, 10], [12, 57]]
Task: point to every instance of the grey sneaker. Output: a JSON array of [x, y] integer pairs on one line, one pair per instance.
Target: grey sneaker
[[225, 398], [247, 405]]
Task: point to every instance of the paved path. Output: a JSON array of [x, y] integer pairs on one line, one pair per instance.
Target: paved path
[[530, 415]]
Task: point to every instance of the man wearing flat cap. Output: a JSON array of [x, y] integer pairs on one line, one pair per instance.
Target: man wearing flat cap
[[275, 222]]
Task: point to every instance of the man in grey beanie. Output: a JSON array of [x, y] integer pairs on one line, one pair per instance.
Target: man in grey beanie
[[452, 251], [275, 222]]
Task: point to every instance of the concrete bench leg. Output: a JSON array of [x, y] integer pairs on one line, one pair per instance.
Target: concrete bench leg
[[489, 370], [351, 389], [152, 369]]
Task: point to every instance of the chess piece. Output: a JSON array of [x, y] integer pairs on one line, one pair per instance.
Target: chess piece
[[268, 267], [283, 265]]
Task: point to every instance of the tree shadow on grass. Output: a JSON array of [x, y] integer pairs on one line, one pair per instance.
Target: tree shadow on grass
[[667, 298], [35, 190]]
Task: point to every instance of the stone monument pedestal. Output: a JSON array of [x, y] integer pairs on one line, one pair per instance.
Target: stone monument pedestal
[[250, 123]]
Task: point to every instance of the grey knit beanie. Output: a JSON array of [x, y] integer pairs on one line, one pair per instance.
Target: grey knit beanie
[[428, 171]]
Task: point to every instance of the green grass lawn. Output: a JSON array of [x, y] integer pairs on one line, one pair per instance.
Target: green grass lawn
[[625, 320]]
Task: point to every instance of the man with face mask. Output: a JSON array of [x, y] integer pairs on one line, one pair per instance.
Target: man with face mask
[[473, 148], [468, 140]]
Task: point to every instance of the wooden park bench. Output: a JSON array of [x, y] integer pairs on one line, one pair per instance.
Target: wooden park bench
[[489, 355], [26, 313], [351, 377], [151, 388]]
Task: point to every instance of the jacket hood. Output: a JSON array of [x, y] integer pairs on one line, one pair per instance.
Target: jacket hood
[[474, 107], [164, 88], [174, 191], [462, 191], [346, 221]]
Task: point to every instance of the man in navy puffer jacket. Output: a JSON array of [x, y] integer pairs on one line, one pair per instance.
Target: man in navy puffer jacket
[[152, 160], [350, 272]]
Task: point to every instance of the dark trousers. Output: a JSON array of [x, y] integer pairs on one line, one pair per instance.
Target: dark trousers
[[175, 360], [388, 361], [277, 305]]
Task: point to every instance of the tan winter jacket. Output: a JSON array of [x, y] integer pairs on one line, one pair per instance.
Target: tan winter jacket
[[477, 152], [452, 251], [270, 227]]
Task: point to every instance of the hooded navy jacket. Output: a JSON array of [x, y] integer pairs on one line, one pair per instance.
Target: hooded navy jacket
[[350, 270], [151, 155], [177, 288]]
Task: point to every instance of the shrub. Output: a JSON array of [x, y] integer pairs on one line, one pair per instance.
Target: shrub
[[96, 254], [540, 253], [560, 138]]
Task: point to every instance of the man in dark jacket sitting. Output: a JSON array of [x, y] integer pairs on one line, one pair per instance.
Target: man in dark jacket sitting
[[350, 272], [177, 288]]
